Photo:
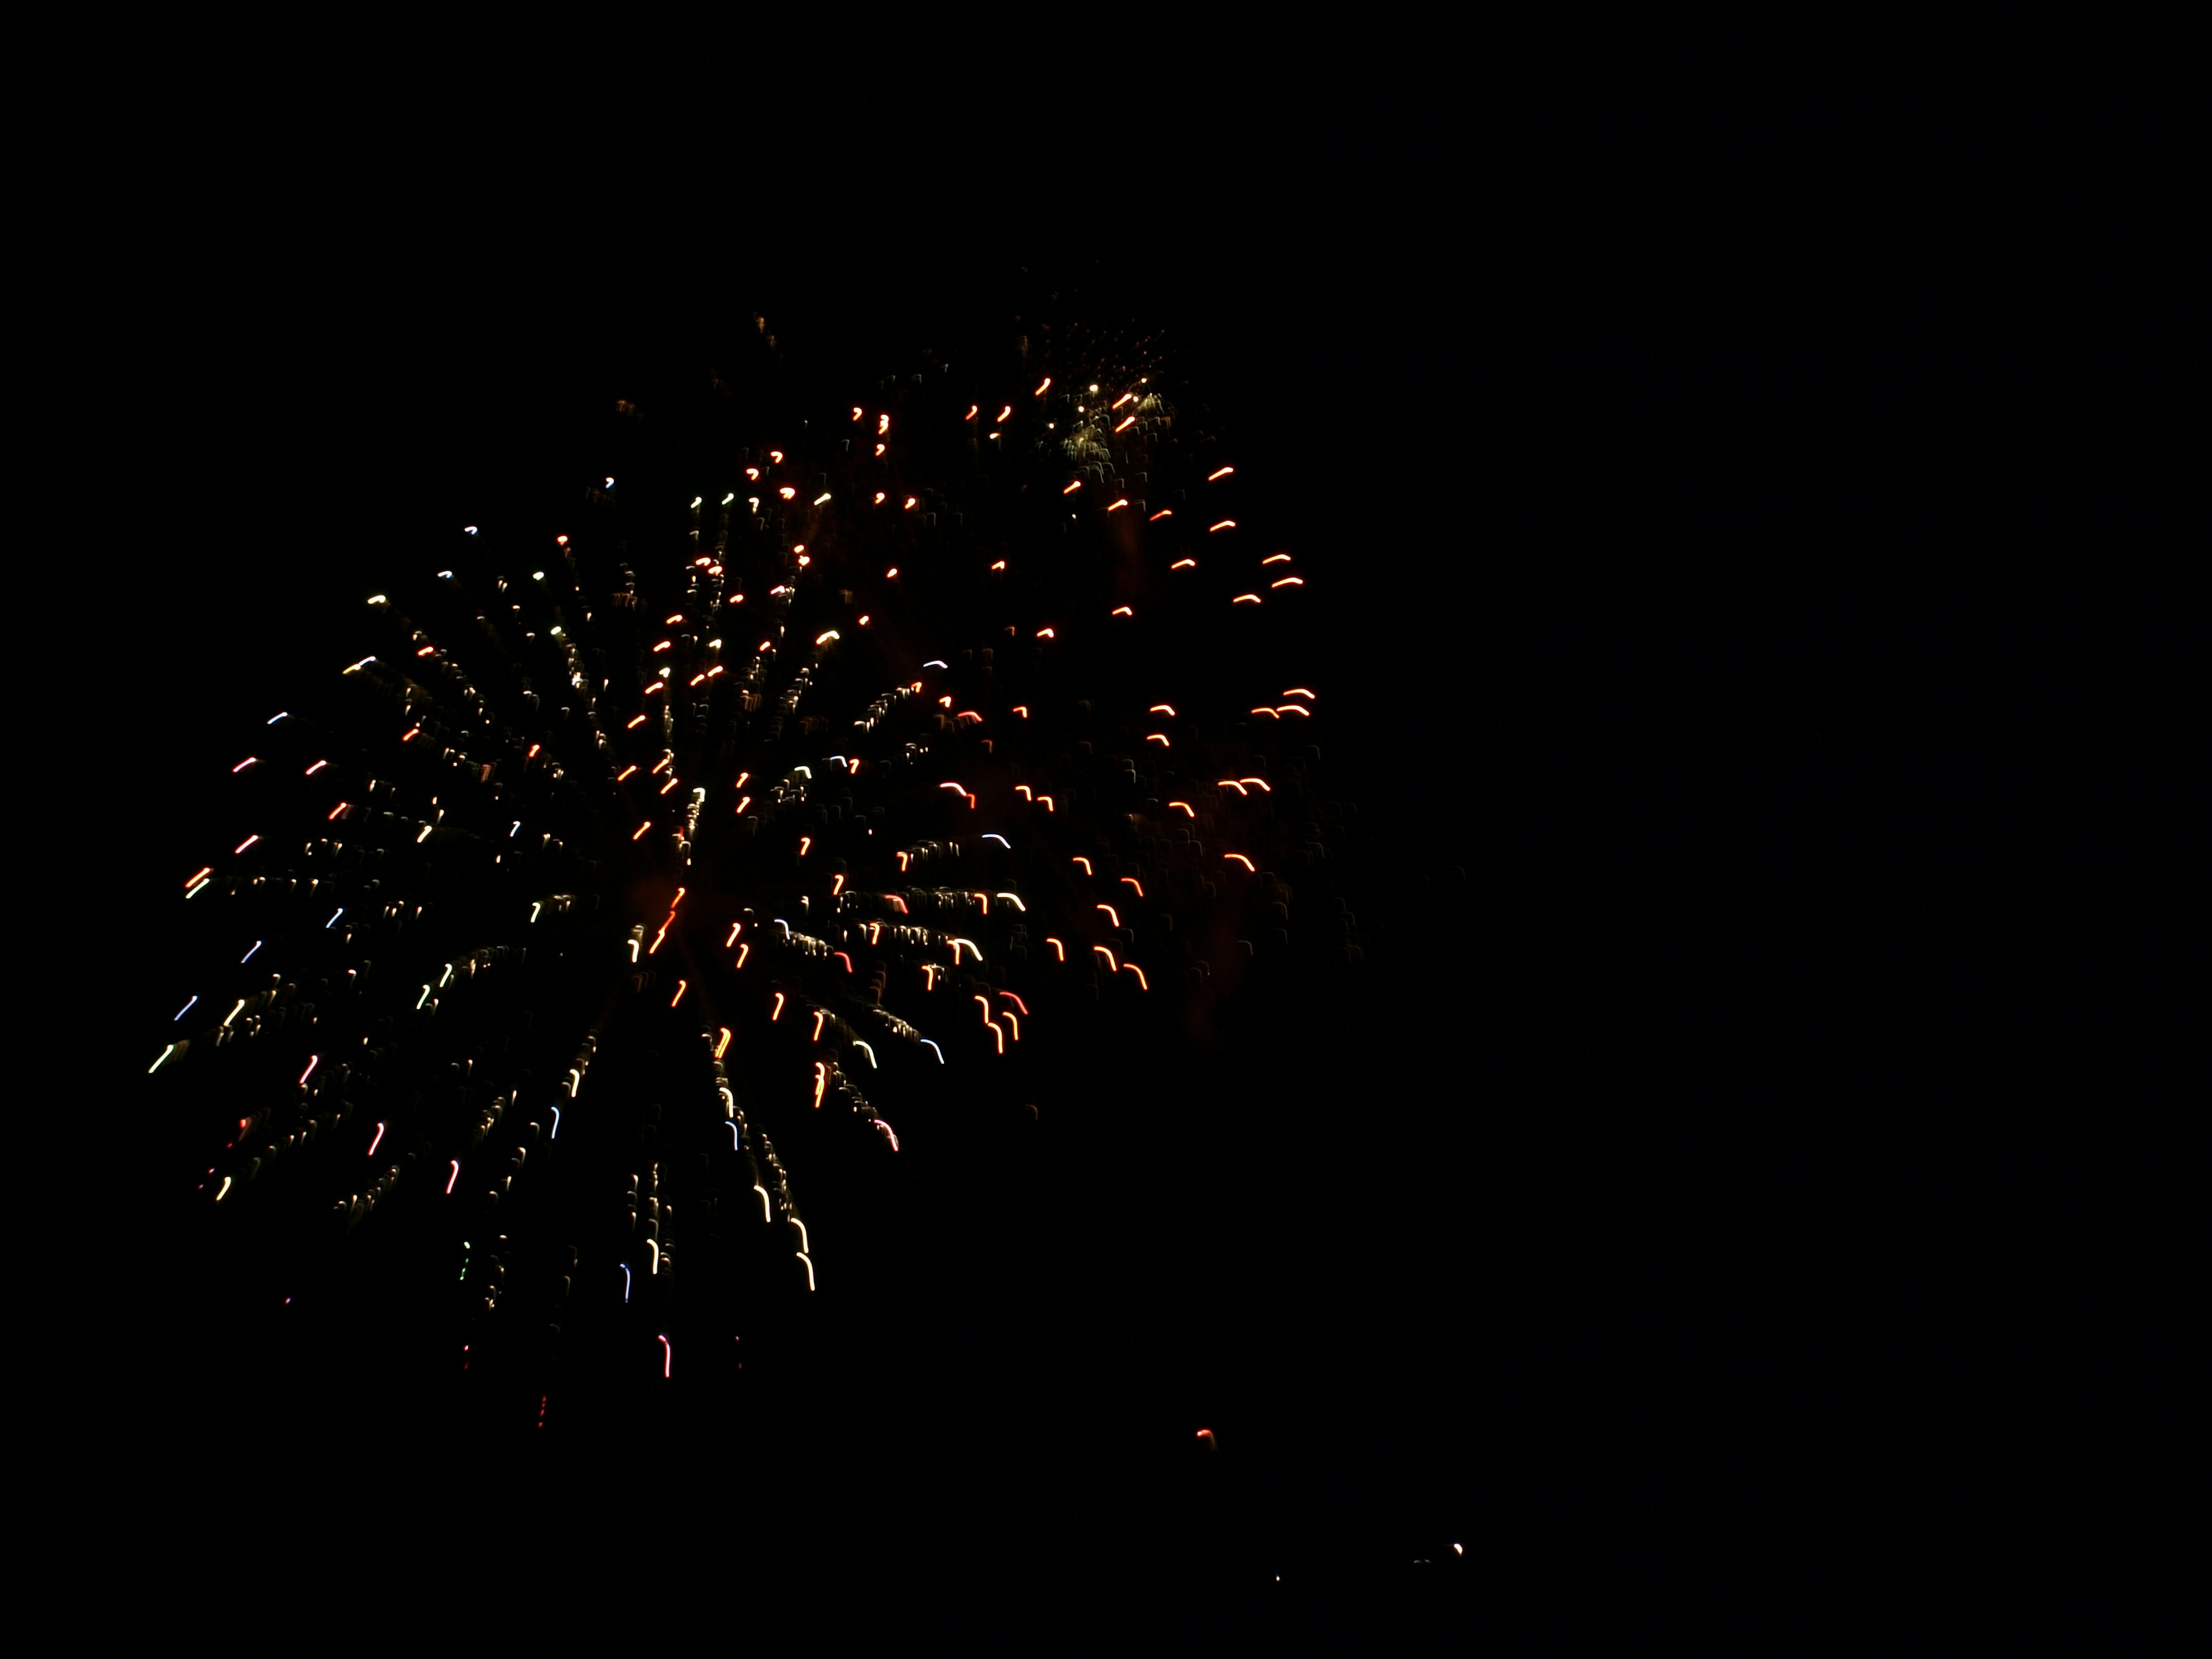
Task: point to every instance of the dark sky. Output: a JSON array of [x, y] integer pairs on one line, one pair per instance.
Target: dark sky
[[1740, 594]]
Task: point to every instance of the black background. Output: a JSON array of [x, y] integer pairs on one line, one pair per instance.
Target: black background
[[1753, 516]]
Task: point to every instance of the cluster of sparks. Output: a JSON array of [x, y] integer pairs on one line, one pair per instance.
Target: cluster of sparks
[[891, 765]]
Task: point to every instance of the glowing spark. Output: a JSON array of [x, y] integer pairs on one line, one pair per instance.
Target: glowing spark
[[1109, 911], [452, 1178], [1242, 859], [1289, 581], [810, 1269], [187, 1008], [1164, 512], [1185, 804], [243, 845], [1246, 599], [1059, 950], [1039, 392], [1226, 524], [642, 829], [821, 1082], [1123, 611], [667, 1353], [1072, 488], [167, 1052], [312, 1061], [1101, 950], [934, 1049], [682, 986], [379, 1141]]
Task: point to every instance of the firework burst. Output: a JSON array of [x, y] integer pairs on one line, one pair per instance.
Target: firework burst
[[835, 778]]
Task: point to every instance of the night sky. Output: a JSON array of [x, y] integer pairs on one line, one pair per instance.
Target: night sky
[[1662, 1212]]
